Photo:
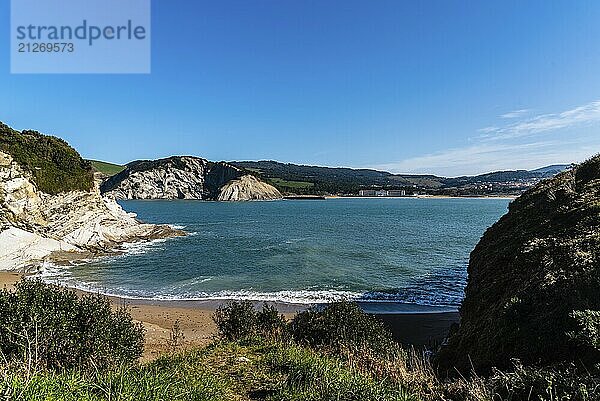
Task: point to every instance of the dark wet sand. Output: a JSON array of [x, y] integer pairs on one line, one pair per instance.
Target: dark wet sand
[[419, 328]]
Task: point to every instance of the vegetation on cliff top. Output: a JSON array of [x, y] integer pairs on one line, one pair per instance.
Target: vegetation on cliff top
[[54, 165], [534, 280]]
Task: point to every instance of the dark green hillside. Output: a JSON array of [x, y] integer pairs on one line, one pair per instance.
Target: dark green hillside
[[303, 179], [108, 169], [332, 179], [55, 166]]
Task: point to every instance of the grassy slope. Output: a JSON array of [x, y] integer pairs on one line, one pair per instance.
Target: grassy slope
[[278, 182], [106, 168], [224, 371], [55, 166]]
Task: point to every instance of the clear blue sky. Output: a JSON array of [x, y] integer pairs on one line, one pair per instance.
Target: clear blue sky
[[447, 87]]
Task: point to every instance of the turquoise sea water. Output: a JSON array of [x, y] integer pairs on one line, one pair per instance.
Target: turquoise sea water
[[403, 250]]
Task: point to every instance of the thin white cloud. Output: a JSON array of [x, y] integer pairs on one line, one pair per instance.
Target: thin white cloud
[[487, 130], [515, 113], [584, 114], [485, 157], [512, 146]]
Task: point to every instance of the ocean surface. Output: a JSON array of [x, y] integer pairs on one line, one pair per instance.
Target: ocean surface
[[383, 251]]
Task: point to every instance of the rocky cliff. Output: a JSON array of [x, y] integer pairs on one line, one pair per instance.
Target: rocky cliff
[[247, 187], [533, 289], [36, 225], [186, 177]]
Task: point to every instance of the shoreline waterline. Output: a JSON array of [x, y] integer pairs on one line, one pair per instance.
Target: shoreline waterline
[[370, 306], [418, 326], [383, 252]]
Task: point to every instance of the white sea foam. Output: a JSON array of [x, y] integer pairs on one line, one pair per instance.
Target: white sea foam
[[176, 226], [61, 274], [139, 248], [283, 263]]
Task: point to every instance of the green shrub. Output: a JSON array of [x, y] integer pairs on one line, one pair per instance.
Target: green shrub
[[239, 319], [270, 323], [48, 327], [588, 329], [235, 320], [55, 166], [341, 325], [544, 384]]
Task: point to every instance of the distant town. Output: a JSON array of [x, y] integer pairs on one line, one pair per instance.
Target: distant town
[[495, 188], [293, 179]]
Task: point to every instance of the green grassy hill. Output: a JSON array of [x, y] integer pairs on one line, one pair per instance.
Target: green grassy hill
[[106, 168]]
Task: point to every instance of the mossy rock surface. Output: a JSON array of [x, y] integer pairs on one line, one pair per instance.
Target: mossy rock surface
[[530, 274]]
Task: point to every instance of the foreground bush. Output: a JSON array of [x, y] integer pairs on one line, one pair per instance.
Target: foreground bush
[[339, 326], [48, 327], [239, 319], [548, 383]]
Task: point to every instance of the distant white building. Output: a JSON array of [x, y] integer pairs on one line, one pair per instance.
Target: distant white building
[[382, 192]]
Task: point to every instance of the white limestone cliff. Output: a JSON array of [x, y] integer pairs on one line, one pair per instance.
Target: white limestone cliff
[[187, 177], [35, 225]]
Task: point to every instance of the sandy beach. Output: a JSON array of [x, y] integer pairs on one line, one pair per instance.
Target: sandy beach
[[195, 320]]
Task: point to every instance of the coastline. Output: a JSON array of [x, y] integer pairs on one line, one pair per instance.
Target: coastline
[[416, 325], [507, 197]]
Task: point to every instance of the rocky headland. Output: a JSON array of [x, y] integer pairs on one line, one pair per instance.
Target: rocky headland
[[187, 177], [51, 207], [533, 289]]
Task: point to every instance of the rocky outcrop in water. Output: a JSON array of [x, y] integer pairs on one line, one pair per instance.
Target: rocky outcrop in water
[[187, 177], [35, 226], [533, 290]]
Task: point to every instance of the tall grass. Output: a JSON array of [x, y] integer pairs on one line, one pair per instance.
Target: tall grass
[[270, 363], [127, 383], [224, 371]]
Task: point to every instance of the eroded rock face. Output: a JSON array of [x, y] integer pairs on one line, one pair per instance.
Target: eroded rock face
[[530, 274], [186, 177], [172, 178], [34, 224], [248, 188], [19, 199]]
